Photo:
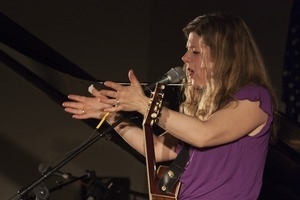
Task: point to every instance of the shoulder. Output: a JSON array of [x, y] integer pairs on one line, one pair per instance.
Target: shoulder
[[252, 92], [256, 93]]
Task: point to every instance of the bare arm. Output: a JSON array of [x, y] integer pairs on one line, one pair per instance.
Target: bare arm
[[93, 107], [226, 125], [164, 145], [234, 121]]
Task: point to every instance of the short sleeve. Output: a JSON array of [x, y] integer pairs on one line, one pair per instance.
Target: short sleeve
[[261, 94], [257, 93]]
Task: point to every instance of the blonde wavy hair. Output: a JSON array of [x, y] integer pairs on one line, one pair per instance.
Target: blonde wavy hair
[[237, 62]]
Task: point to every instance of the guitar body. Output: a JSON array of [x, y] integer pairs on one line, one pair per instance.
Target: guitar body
[[153, 175], [169, 196], [156, 194]]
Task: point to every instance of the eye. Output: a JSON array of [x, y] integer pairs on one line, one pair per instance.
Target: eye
[[195, 51]]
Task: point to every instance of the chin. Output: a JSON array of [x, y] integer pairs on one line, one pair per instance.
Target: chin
[[198, 85], [195, 84]]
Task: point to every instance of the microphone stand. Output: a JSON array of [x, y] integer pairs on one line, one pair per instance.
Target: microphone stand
[[23, 192], [73, 179]]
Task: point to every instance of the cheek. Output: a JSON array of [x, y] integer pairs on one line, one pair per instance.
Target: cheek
[[202, 75]]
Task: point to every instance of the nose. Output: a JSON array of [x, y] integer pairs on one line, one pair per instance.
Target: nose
[[185, 58]]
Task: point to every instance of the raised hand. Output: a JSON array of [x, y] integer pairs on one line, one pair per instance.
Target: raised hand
[[125, 98], [83, 107]]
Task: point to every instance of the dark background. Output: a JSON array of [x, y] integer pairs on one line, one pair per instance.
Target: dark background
[[105, 39]]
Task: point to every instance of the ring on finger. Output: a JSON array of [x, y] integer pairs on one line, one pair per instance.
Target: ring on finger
[[117, 103]]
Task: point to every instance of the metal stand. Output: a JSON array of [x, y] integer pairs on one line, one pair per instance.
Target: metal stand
[[40, 190]]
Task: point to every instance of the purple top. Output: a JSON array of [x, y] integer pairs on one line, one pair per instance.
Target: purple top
[[234, 170]]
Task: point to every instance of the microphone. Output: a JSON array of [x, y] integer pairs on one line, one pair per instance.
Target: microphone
[[43, 168], [174, 75]]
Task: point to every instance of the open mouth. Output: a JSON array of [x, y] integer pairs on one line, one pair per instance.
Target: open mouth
[[190, 72]]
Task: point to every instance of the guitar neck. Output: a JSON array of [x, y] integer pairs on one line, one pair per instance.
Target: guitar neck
[[152, 173], [150, 162]]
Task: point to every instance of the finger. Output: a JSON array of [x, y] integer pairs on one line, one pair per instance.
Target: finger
[[108, 93], [92, 90], [83, 116], [113, 109], [69, 110], [113, 85], [79, 117], [75, 111], [110, 102], [69, 104], [76, 97], [132, 78]]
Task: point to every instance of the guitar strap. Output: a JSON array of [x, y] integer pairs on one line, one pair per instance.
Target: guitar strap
[[176, 168]]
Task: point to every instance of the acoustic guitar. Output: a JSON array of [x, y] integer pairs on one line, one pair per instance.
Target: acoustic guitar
[[153, 175]]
